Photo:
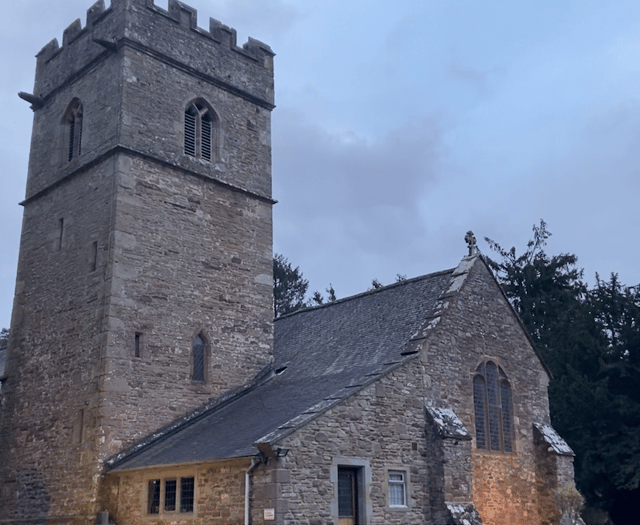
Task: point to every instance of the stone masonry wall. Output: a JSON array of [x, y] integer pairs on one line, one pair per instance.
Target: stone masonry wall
[[189, 258], [133, 239], [480, 325], [57, 339], [383, 425], [134, 94], [219, 494]]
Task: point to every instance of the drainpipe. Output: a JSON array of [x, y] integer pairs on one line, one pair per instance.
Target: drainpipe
[[247, 482]]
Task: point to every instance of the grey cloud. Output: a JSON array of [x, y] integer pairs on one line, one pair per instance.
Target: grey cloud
[[344, 195]]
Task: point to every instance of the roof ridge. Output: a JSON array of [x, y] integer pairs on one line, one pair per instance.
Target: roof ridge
[[366, 292]]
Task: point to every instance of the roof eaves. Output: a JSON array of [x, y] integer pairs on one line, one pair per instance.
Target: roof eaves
[[186, 420], [181, 464]]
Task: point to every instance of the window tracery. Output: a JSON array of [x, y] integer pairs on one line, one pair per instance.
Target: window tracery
[[493, 408], [200, 131]]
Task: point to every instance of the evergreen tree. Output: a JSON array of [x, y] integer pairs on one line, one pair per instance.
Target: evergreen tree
[[590, 340], [289, 287]]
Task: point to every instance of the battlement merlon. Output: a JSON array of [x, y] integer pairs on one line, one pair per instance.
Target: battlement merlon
[[213, 51]]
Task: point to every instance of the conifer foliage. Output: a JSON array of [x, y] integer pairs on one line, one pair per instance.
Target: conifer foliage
[[289, 286], [590, 338]]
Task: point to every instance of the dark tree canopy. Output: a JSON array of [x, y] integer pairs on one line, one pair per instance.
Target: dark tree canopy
[[590, 338], [289, 287]]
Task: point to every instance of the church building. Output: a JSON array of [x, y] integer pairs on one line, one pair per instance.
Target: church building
[[145, 381]]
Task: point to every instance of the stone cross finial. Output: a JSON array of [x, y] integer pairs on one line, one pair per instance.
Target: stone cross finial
[[470, 239]]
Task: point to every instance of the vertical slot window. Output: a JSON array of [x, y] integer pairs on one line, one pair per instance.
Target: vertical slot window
[[137, 345], [78, 427], [198, 358], [60, 233]]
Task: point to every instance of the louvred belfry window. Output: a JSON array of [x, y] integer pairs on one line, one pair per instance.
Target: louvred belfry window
[[73, 127], [199, 131], [493, 408]]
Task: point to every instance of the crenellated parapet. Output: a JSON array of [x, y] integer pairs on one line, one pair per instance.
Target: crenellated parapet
[[143, 25]]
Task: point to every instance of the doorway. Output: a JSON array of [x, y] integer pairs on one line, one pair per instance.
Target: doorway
[[348, 496]]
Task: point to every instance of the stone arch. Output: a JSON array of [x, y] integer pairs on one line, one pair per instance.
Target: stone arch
[[493, 408], [201, 131], [72, 122]]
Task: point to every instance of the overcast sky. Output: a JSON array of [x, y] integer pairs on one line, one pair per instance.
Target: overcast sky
[[401, 125]]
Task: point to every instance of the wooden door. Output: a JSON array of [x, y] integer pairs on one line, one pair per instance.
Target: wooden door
[[347, 496]]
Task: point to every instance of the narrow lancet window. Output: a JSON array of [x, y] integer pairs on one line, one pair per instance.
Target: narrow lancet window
[[73, 126], [198, 358]]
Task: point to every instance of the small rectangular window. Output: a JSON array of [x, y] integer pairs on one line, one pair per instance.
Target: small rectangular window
[[187, 491], [170, 495], [397, 489], [60, 232], [153, 500], [167, 496]]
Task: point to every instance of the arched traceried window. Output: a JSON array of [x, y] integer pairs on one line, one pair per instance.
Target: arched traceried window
[[200, 131], [198, 358], [493, 408], [73, 129]]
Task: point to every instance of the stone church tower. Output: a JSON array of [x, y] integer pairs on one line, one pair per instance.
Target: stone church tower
[[144, 283]]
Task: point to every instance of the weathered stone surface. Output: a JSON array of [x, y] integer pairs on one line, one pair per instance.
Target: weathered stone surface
[[132, 248]]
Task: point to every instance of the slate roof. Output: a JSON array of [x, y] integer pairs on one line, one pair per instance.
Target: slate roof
[[553, 439], [329, 352]]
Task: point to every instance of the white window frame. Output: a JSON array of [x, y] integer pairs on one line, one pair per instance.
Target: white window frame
[[402, 483]]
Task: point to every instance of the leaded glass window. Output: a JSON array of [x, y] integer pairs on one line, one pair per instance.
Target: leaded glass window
[[492, 402], [187, 491], [171, 495], [153, 498]]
